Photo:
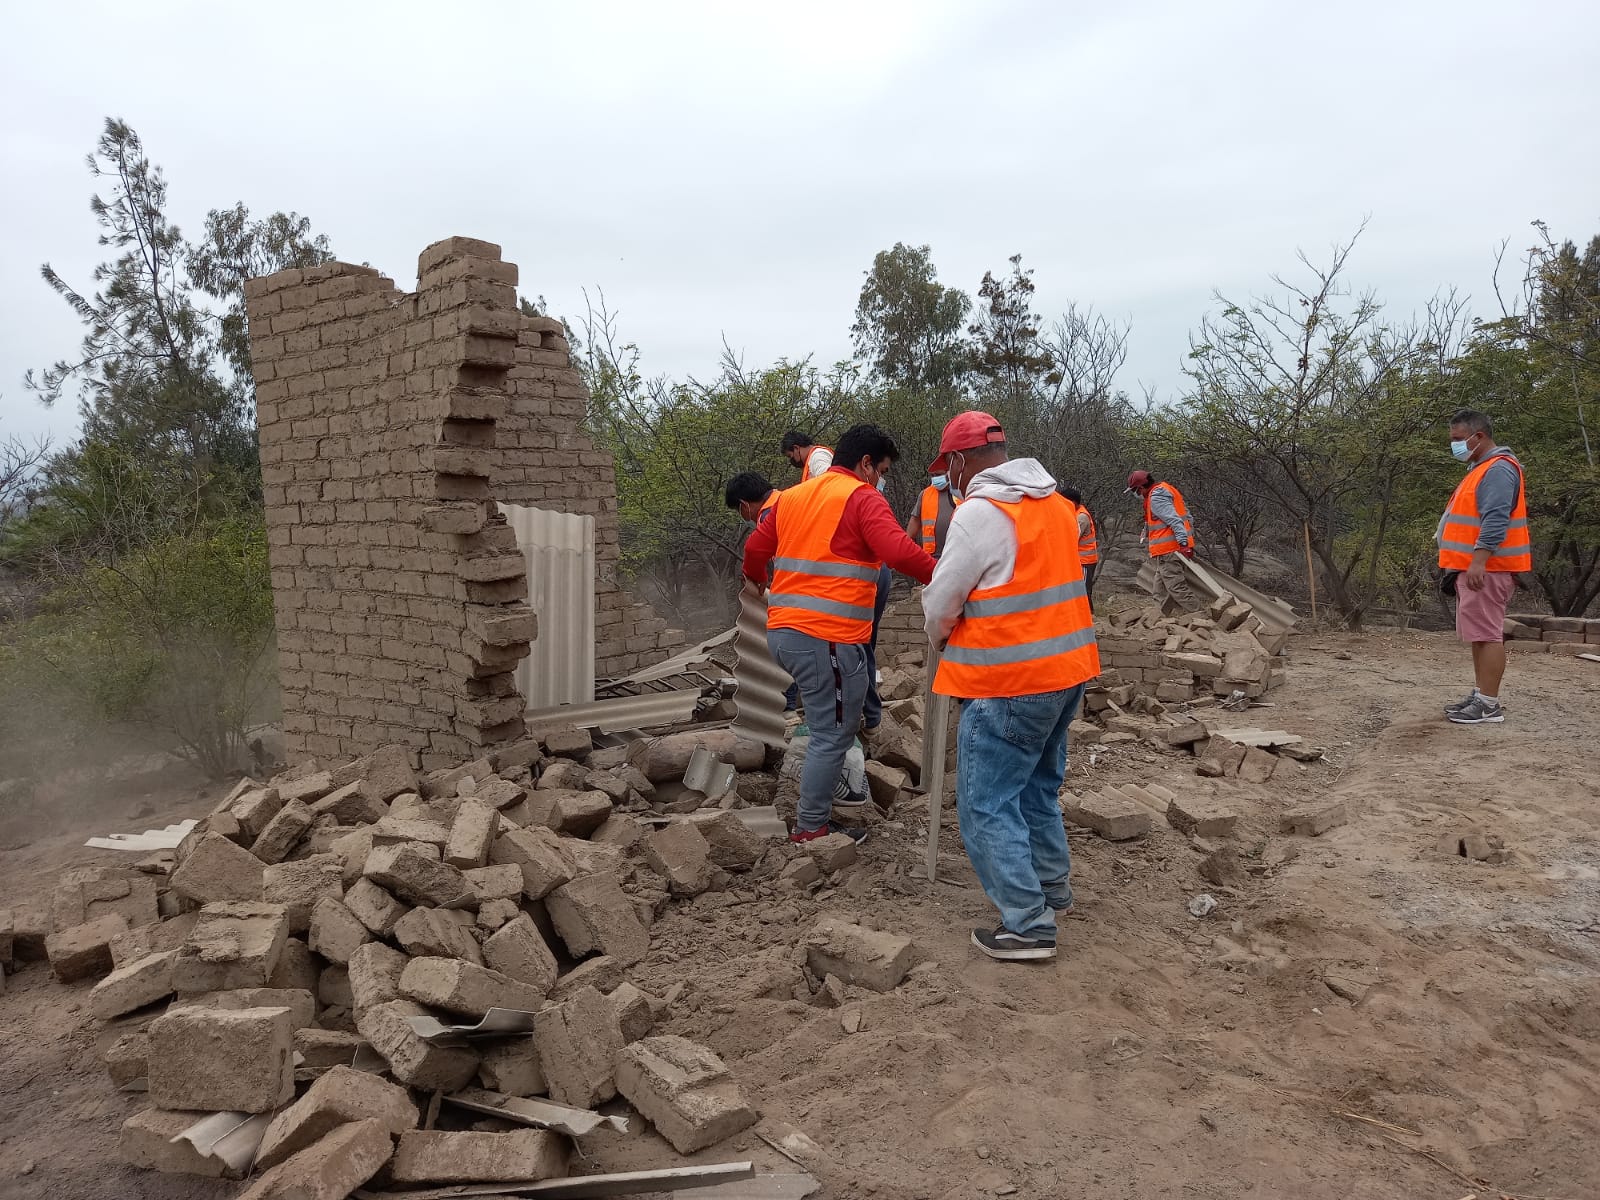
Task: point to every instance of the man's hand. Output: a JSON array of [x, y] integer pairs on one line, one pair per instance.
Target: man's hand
[[1476, 573], [1186, 549], [752, 589]]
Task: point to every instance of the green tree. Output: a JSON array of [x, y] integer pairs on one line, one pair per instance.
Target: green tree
[[907, 329], [235, 248], [677, 444], [1009, 360], [1537, 372], [1333, 413], [143, 548]]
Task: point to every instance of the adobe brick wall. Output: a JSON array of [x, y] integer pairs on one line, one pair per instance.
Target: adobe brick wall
[[389, 424], [545, 459]]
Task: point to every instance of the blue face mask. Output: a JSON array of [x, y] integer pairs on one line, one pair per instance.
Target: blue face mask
[[940, 482], [1460, 452]]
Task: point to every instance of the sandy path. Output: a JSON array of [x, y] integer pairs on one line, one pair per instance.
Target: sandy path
[[1149, 1060]]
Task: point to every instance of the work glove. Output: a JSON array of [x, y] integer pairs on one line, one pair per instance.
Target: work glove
[[1187, 549]]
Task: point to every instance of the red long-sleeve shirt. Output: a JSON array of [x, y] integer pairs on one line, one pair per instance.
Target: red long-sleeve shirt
[[867, 532]]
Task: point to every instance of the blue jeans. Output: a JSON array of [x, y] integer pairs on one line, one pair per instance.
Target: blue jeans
[[1011, 758], [832, 677]]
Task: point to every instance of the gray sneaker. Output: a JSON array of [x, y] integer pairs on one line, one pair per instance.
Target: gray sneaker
[[1479, 711], [1456, 706]]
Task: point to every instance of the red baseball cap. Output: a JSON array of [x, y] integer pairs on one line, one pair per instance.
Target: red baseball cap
[[966, 431]]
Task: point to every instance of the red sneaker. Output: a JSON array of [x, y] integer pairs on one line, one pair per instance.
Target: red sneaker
[[855, 834]]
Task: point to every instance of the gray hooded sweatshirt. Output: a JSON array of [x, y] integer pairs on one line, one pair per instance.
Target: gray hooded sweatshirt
[[980, 550]]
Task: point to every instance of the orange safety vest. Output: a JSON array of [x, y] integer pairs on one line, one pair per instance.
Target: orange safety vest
[[1458, 529], [813, 589], [1034, 634], [1089, 543], [805, 467], [1162, 539], [767, 505], [930, 516]]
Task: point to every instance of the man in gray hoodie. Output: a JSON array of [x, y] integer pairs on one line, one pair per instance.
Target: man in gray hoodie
[[1008, 609]]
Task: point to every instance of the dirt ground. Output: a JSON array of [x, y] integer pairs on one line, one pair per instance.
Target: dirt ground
[[1151, 1059]]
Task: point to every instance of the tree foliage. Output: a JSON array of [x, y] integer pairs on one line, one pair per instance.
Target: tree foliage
[[141, 549]]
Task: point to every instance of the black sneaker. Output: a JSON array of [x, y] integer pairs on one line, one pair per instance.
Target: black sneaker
[[1001, 943], [843, 797]]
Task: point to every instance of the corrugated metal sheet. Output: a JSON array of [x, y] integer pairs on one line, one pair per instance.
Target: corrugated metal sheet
[[761, 682], [621, 713], [1274, 613], [559, 549]]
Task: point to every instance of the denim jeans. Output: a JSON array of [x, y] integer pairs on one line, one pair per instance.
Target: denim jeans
[[872, 711], [1011, 758], [832, 677]]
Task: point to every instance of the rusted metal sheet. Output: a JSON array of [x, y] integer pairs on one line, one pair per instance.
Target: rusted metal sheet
[[559, 549], [760, 681]]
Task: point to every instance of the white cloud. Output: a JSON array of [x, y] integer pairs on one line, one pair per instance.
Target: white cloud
[[731, 168]]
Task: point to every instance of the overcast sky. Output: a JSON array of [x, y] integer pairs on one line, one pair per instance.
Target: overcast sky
[[729, 170]]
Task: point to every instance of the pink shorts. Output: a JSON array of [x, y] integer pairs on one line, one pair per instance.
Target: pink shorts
[[1481, 613]]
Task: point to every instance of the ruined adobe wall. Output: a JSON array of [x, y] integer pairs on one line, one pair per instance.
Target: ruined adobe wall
[[546, 460], [399, 592]]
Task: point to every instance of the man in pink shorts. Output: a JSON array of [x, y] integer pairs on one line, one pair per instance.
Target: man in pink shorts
[[1483, 536]]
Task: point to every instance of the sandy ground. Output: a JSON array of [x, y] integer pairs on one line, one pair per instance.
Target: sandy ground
[[1151, 1059]]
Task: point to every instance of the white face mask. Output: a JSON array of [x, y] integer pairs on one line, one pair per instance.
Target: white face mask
[[956, 494]]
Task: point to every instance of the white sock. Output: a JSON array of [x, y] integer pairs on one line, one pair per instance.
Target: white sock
[[1489, 699]]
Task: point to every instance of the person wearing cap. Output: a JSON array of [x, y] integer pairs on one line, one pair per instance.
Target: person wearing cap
[[804, 453], [1009, 611], [1169, 533], [931, 521], [824, 540], [1088, 540]]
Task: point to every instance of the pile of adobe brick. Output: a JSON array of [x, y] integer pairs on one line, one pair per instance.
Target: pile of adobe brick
[[1557, 635], [1149, 660], [297, 953]]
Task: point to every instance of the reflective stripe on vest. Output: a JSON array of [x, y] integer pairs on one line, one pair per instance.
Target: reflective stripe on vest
[[1459, 527], [1161, 536], [1089, 543], [813, 589], [930, 518], [805, 467], [768, 505], [1034, 634]]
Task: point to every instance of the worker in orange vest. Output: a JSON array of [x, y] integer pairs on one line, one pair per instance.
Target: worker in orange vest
[[1007, 606], [932, 518], [751, 496], [824, 540], [804, 453], [1088, 540], [1169, 532], [1483, 540]]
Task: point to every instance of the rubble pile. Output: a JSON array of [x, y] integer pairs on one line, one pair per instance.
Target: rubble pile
[[359, 963], [1149, 660]]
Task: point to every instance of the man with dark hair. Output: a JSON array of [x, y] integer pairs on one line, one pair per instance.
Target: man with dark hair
[[825, 539], [1007, 608], [1483, 540], [750, 495], [1088, 540], [804, 453], [1169, 532]]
